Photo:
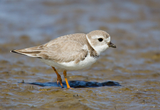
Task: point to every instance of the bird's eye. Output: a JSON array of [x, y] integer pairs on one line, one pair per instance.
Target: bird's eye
[[100, 39]]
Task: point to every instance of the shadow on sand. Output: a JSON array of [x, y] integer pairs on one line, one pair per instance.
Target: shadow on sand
[[76, 84]]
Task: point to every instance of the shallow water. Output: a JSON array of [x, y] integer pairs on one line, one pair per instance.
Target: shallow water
[[134, 66]]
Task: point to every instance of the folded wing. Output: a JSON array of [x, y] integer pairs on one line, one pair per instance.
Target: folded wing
[[59, 51]]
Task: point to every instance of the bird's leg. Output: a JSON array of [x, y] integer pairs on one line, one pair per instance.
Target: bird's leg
[[59, 79], [65, 77]]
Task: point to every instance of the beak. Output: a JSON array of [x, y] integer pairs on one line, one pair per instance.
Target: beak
[[110, 44]]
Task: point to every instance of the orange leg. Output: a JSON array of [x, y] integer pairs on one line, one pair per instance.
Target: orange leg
[[59, 79], [65, 77]]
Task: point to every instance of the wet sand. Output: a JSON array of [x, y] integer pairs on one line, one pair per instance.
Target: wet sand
[[125, 78]]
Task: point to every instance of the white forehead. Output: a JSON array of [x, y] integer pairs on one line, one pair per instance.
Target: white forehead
[[108, 39], [97, 36]]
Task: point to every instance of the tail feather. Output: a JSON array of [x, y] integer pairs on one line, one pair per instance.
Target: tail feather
[[30, 53], [14, 51]]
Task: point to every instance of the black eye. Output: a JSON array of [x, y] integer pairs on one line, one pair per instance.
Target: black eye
[[100, 39]]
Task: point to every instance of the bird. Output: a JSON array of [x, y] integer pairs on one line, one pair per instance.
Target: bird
[[70, 52]]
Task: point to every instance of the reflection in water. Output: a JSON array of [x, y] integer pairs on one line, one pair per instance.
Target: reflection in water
[[76, 84]]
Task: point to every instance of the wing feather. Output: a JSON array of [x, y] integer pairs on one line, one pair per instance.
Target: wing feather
[[63, 49]]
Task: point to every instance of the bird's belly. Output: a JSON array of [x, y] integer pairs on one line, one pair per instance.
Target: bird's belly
[[87, 62]]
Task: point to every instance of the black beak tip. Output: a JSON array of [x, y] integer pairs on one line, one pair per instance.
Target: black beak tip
[[112, 45]]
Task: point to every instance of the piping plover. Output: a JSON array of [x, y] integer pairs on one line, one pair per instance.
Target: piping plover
[[71, 52]]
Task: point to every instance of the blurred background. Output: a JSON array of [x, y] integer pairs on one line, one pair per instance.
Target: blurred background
[[134, 26]]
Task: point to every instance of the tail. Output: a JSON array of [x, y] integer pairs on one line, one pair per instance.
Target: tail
[[14, 51], [28, 52]]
